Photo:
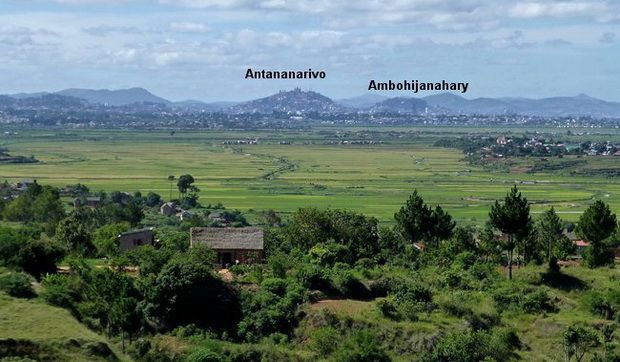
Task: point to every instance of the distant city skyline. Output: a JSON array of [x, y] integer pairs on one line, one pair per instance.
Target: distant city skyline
[[202, 49]]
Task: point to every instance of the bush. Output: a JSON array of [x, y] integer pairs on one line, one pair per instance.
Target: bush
[[312, 277], [276, 286], [361, 347], [324, 340], [537, 302], [202, 354], [61, 290], [459, 346], [387, 307], [404, 292], [604, 304], [346, 284], [524, 299], [18, 285]]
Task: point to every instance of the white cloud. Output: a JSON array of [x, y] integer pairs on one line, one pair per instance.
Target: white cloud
[[188, 27], [103, 30], [559, 9]]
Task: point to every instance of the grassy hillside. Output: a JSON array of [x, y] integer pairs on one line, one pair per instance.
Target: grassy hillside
[[30, 328]]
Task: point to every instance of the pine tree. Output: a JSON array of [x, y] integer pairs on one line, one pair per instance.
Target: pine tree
[[595, 225], [511, 218], [550, 230]]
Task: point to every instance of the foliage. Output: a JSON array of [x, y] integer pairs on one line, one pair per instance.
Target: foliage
[[186, 291], [563, 248], [577, 341], [512, 218], [153, 200], [362, 346], [272, 309], [106, 238], [19, 250], [595, 225], [459, 346], [74, 236], [522, 298], [356, 232], [550, 231], [413, 218], [605, 304], [202, 354], [17, 285]]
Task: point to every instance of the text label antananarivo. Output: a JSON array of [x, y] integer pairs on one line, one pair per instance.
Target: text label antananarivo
[[415, 86], [276, 74]]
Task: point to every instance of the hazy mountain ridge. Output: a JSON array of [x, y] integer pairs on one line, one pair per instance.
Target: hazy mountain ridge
[[299, 102], [401, 105], [119, 97]]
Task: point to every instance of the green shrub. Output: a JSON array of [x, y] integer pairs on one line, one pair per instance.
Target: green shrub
[[313, 277], [324, 340], [459, 346], [404, 292], [276, 286], [537, 302], [346, 284], [61, 290], [18, 285], [361, 347], [387, 307], [202, 354], [522, 298], [605, 304]]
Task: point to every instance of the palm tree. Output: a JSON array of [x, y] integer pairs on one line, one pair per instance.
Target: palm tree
[[171, 178]]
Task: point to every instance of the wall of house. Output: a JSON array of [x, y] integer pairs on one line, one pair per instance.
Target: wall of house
[[242, 255], [135, 240]]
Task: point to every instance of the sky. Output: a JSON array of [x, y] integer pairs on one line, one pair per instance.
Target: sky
[[201, 49]]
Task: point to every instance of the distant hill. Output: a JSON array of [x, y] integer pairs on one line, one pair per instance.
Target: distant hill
[[401, 105], [27, 95], [119, 97], [194, 105], [581, 105], [364, 101], [291, 102]]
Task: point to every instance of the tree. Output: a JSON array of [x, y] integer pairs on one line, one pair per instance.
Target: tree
[[74, 236], [416, 221], [106, 238], [577, 341], [153, 199], [550, 230], [185, 183], [511, 218], [186, 291], [413, 218], [595, 225], [171, 179], [441, 226]]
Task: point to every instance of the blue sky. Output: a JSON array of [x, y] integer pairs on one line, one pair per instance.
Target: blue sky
[[201, 49]]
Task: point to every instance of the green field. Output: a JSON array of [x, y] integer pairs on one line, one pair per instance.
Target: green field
[[314, 170]]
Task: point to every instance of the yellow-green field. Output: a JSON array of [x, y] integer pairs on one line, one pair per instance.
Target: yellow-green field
[[373, 179]]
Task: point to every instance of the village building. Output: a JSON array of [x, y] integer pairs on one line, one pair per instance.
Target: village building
[[216, 216], [232, 245], [23, 184], [169, 208], [88, 201], [134, 239]]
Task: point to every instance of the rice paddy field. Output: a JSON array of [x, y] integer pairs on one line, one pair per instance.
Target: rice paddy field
[[287, 170]]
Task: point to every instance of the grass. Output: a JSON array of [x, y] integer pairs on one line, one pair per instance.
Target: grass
[[312, 172], [36, 321]]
